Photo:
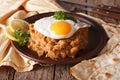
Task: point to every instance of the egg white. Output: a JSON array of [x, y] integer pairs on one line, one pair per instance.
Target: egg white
[[43, 26]]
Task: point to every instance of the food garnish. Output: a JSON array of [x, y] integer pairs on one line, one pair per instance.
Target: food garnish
[[60, 15], [21, 36], [18, 24], [17, 30]]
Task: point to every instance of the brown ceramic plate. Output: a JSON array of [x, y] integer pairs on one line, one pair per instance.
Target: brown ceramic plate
[[97, 40]]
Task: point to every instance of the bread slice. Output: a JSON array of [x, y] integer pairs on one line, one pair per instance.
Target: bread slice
[[7, 8]]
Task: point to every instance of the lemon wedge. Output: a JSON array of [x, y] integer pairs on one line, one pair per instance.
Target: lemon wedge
[[9, 34], [18, 24]]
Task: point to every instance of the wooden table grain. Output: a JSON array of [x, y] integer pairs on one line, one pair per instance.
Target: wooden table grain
[[55, 72]]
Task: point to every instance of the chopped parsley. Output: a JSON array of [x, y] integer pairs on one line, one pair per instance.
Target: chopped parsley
[[22, 37], [60, 15]]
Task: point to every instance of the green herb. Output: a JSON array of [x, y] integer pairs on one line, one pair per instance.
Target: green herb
[[22, 37], [60, 15]]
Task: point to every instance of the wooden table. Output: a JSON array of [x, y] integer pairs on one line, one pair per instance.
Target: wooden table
[[56, 72]]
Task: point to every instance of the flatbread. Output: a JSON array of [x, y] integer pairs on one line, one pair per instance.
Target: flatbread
[[55, 5], [20, 14], [84, 69], [3, 48], [7, 8], [41, 6], [111, 44], [111, 29], [4, 42], [19, 63], [31, 13], [110, 72]]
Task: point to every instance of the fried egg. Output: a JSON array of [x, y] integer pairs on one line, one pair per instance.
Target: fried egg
[[57, 29]]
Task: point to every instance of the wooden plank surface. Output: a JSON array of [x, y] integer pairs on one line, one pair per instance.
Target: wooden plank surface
[[57, 72], [62, 72], [103, 2], [6, 73], [38, 73]]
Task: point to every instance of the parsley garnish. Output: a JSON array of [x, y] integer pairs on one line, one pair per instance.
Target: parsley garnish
[[60, 15], [22, 37]]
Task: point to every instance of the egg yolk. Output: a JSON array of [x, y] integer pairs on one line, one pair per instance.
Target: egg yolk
[[61, 27]]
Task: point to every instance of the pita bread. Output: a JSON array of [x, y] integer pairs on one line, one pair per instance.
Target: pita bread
[[20, 14], [111, 44], [3, 48], [31, 13], [2, 36], [110, 72], [41, 6], [111, 29], [85, 68], [54, 4], [7, 8], [18, 62], [4, 42]]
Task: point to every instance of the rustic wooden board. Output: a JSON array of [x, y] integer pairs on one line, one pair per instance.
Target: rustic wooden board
[[38, 73], [108, 3], [62, 72], [6, 73]]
